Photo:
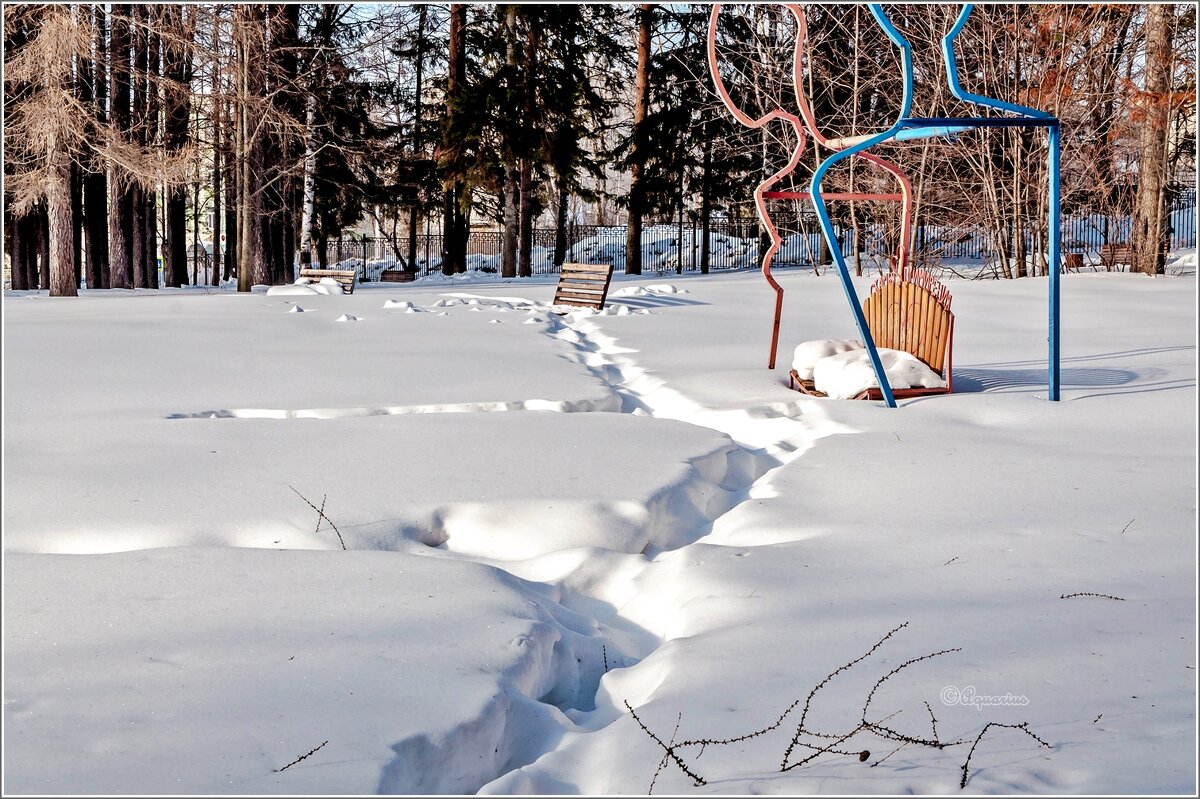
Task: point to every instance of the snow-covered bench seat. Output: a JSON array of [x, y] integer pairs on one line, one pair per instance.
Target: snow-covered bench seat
[[345, 277], [910, 320]]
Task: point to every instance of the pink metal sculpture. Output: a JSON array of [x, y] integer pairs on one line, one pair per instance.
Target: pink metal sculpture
[[759, 192], [805, 120]]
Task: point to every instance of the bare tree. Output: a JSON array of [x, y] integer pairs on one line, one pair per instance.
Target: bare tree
[[1149, 217]]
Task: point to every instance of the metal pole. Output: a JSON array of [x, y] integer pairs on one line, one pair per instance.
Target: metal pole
[[1055, 267]]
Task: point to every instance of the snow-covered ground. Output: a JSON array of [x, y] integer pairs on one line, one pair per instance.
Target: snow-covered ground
[[549, 519]]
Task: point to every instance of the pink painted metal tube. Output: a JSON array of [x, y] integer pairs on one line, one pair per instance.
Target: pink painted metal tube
[[759, 199], [799, 124], [840, 144]]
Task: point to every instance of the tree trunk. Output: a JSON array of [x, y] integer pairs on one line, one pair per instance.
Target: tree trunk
[[76, 184], [252, 268], [12, 244], [525, 256], [285, 49], [177, 113], [61, 230], [512, 226], [1019, 250], [706, 201], [43, 246], [454, 234], [639, 146], [95, 187], [151, 131], [525, 209], [418, 78], [139, 253], [310, 179], [25, 267], [512, 172], [1149, 217], [242, 159], [218, 129], [120, 212], [231, 192], [19, 242], [560, 224]]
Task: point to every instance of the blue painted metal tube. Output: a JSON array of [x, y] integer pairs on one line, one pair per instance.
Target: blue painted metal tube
[[843, 270], [823, 212], [906, 62], [1055, 265], [952, 73], [909, 134], [979, 122]]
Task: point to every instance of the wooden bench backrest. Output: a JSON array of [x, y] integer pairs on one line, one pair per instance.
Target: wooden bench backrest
[[346, 277], [911, 314], [397, 276], [585, 285]]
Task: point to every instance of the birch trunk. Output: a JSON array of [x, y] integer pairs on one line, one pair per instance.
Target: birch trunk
[[310, 180]]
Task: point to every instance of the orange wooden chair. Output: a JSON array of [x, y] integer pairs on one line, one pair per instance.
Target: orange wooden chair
[[908, 311]]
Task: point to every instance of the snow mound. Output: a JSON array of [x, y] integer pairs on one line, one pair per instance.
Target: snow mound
[[347, 318], [845, 374], [400, 304], [291, 289], [297, 309], [809, 352], [304, 285], [651, 290]]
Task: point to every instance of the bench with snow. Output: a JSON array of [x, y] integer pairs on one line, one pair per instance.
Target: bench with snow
[[584, 285], [397, 276], [910, 320], [345, 277]]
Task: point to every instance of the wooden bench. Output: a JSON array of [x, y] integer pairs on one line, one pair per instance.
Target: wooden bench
[[1113, 254], [346, 277], [397, 276], [911, 314], [585, 285]]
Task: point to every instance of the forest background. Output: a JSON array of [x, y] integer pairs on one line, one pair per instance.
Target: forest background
[[141, 139]]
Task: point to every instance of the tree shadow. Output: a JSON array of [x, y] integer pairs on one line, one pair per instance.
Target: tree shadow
[[1032, 375]]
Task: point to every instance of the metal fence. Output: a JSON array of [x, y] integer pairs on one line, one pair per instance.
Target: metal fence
[[734, 244]]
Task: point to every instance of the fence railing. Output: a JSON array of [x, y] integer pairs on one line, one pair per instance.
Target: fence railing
[[734, 245]]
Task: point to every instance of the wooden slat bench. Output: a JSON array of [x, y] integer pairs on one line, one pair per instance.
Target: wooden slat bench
[[584, 285], [346, 277], [910, 314], [1113, 254], [397, 276]]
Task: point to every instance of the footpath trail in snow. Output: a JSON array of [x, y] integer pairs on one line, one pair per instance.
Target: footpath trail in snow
[[607, 586], [680, 532], [576, 543]]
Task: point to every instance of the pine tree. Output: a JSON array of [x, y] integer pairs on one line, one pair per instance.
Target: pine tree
[[639, 149]]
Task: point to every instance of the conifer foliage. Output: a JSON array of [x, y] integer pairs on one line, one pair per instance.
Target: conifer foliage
[[171, 144]]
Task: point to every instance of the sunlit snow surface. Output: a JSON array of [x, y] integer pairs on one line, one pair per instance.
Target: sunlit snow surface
[[550, 512]]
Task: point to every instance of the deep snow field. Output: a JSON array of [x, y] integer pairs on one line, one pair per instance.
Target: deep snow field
[[547, 517]]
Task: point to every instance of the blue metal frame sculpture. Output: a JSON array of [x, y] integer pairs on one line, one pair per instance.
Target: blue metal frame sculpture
[[908, 128]]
